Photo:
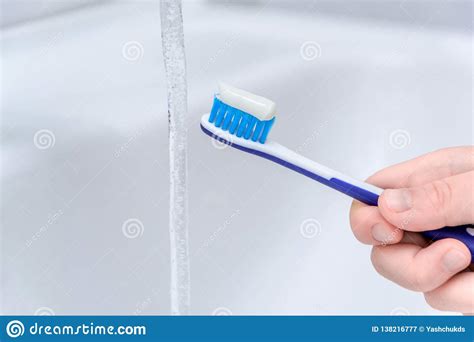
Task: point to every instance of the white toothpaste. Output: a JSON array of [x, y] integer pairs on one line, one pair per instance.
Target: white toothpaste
[[258, 106]]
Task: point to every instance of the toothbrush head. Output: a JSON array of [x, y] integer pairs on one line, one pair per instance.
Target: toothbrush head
[[242, 114]]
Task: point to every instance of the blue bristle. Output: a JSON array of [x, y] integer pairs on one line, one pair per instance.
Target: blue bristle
[[242, 124], [228, 118], [249, 129], [266, 130], [235, 121], [215, 107], [220, 115], [258, 130]]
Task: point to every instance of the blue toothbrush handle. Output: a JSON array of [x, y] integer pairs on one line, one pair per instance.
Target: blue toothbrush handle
[[358, 190], [464, 233]]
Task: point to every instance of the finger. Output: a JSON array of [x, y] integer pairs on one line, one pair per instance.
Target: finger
[[426, 168], [455, 295], [414, 239], [445, 202], [369, 226], [421, 269]]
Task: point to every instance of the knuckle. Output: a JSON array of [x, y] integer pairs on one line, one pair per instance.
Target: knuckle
[[440, 195], [416, 178]]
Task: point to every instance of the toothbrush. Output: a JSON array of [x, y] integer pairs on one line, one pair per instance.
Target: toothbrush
[[243, 120]]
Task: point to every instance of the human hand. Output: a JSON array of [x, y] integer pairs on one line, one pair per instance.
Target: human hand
[[425, 193]]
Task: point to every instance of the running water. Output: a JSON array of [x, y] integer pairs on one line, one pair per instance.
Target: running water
[[175, 66]]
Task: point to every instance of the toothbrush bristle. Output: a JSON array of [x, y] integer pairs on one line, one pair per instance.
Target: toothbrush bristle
[[239, 123]]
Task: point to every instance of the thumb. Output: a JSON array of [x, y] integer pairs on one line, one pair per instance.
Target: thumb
[[445, 202]]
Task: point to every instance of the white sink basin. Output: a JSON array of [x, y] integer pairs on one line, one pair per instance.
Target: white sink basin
[[63, 206]]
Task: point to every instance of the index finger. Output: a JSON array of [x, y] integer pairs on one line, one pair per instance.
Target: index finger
[[368, 224], [426, 168]]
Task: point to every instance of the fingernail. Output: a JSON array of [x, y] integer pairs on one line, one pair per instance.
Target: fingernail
[[381, 233], [398, 200], [454, 260]]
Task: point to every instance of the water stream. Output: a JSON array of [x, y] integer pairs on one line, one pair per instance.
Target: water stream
[[175, 66]]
